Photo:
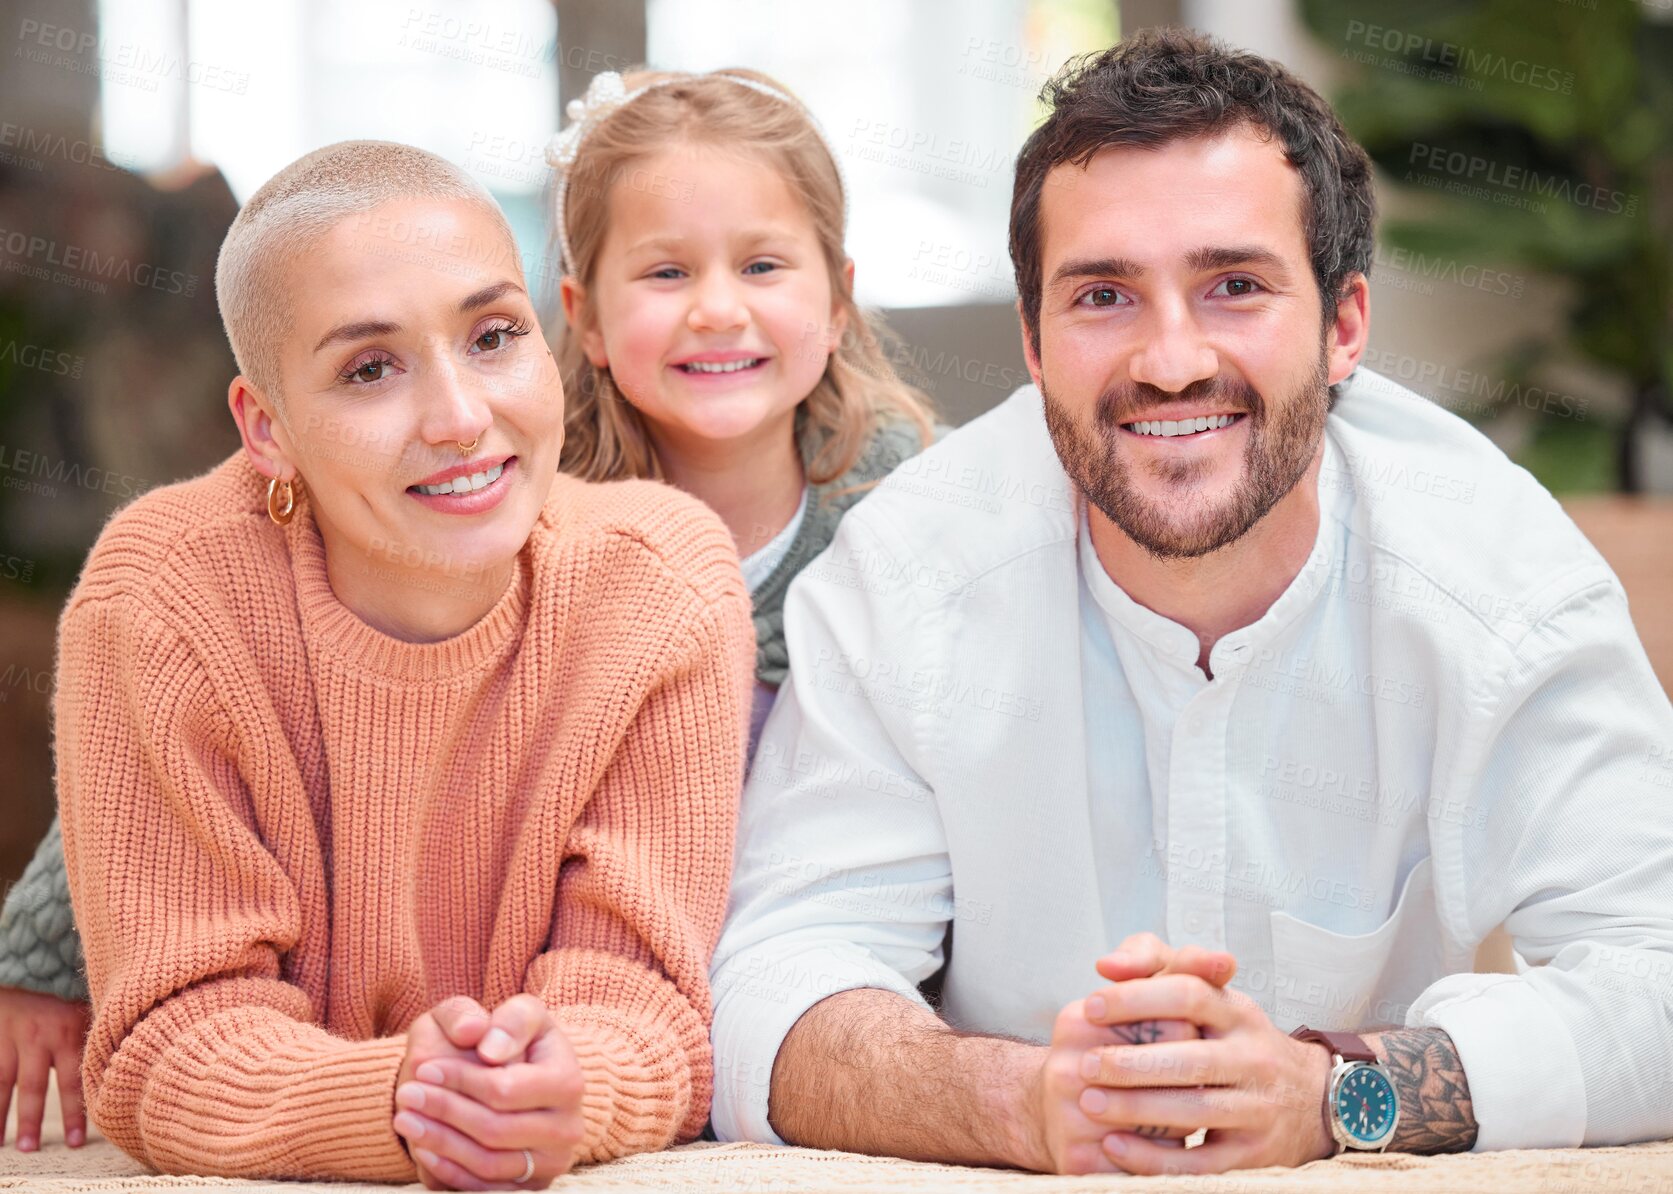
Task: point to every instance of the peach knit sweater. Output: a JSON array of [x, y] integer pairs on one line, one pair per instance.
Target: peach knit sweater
[[288, 834]]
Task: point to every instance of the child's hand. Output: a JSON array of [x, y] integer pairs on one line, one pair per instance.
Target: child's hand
[[484, 1114], [39, 1034]]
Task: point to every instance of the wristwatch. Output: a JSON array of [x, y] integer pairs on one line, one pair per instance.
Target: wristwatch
[[1361, 1106]]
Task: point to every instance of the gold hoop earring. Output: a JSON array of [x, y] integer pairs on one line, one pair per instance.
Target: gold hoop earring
[[466, 449], [282, 514]]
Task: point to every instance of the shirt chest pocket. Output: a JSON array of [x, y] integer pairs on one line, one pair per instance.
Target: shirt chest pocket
[[1359, 981]]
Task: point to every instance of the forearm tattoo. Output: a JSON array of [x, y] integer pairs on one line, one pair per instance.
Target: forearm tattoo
[[1436, 1115]]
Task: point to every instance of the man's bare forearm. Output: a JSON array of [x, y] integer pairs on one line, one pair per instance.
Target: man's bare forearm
[[868, 1071], [1436, 1115]]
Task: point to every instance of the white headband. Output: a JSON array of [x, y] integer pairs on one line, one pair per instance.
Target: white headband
[[605, 95]]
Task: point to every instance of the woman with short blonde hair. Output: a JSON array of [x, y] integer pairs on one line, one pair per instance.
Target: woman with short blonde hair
[[398, 772]]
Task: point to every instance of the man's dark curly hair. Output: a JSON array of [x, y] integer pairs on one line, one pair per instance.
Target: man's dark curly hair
[[1166, 85]]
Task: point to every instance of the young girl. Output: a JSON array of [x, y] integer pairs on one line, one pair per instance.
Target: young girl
[[712, 336], [712, 341]]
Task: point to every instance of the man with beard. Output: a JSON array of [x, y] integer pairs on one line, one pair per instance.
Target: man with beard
[[1212, 646]]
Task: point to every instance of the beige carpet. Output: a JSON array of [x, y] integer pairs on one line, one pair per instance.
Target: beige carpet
[[1643, 1169]]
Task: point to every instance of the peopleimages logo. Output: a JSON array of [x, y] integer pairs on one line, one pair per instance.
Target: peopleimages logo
[[32, 255], [1475, 169], [43, 144], [33, 356], [1491, 391], [27, 470], [1424, 268], [1452, 56], [127, 63]]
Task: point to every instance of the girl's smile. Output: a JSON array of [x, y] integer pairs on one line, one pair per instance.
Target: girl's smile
[[713, 366]]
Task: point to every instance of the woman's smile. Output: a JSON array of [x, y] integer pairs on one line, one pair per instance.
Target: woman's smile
[[470, 488]]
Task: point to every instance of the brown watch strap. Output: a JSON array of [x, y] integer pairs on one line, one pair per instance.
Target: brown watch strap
[[1350, 1046]]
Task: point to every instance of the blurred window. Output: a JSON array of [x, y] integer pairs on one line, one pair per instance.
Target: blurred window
[[251, 87], [926, 103]]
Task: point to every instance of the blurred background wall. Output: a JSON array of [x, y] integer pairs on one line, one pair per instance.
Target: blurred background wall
[[1523, 276]]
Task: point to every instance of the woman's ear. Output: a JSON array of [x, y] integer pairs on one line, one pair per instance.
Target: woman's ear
[[260, 429], [576, 315]]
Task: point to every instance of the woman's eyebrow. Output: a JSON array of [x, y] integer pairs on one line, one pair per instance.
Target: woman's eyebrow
[[486, 295], [359, 330], [363, 328]]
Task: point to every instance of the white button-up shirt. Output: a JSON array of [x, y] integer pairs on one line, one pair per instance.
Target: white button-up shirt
[[1446, 722]]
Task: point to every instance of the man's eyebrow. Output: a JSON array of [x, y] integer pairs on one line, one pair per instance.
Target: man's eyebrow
[[359, 330], [1100, 267], [1232, 256], [1201, 260], [363, 328]]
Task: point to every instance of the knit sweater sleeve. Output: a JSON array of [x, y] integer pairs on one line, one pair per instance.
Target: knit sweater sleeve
[[201, 1058], [39, 948], [642, 894]]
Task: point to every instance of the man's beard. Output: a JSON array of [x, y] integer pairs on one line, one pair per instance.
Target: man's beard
[[1282, 441]]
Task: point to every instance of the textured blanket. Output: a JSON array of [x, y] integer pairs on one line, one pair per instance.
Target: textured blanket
[[1641, 1169]]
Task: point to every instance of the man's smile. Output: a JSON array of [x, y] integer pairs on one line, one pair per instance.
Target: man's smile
[[1199, 427]]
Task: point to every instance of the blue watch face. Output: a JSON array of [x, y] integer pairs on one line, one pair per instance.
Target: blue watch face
[[1365, 1104]]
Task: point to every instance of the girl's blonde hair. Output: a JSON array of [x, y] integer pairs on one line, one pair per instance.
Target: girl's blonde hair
[[605, 437]]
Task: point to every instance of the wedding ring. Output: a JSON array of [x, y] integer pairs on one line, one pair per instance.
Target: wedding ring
[[528, 1168]]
